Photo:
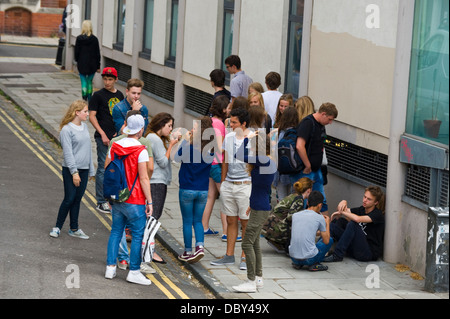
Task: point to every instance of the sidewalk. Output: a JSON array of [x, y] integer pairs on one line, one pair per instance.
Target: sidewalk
[[46, 96]]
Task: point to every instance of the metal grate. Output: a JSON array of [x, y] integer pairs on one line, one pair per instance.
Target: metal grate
[[359, 162], [443, 190], [159, 86], [418, 180], [197, 101], [123, 70]]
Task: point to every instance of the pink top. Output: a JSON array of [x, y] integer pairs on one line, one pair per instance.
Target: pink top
[[219, 129]]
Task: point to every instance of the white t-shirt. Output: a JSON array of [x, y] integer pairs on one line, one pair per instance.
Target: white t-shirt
[[127, 142], [271, 99]]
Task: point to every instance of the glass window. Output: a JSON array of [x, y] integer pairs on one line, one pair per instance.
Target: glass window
[[173, 35], [228, 25], [148, 28], [121, 21], [428, 101], [294, 51], [87, 10]]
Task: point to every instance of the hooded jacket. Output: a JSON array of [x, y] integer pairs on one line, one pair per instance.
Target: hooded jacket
[[87, 54], [137, 197]]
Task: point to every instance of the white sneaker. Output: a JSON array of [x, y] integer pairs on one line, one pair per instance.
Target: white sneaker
[[259, 282], [110, 272], [246, 287], [136, 277], [147, 269], [78, 234], [55, 232]]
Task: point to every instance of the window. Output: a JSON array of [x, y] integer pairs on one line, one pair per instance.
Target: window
[[294, 51], [148, 29], [87, 10], [173, 35], [428, 99], [228, 25], [120, 25]]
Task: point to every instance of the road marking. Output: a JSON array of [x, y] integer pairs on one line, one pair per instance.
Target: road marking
[[85, 202]]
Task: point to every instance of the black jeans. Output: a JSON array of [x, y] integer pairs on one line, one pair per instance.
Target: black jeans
[[72, 198], [351, 239], [159, 192]]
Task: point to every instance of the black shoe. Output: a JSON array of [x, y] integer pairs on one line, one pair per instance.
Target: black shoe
[[317, 267], [332, 258], [298, 267]]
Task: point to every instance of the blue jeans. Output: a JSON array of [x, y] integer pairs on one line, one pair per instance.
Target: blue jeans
[[135, 218], [72, 198], [323, 249], [317, 177], [102, 150], [192, 205]]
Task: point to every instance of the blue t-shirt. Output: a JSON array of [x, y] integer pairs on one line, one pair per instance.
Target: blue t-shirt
[[194, 170], [262, 176]]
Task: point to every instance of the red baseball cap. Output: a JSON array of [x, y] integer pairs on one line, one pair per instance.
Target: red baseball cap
[[110, 72]]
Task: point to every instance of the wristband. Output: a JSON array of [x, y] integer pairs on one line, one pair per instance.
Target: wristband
[[148, 204]]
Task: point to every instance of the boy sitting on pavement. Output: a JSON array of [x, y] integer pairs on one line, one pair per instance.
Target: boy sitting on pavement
[[305, 225]]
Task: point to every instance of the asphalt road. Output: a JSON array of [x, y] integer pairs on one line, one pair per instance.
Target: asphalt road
[[35, 266]]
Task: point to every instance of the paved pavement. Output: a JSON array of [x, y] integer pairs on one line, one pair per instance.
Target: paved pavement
[[45, 97]]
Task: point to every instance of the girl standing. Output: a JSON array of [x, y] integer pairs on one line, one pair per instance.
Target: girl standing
[[196, 163], [77, 166]]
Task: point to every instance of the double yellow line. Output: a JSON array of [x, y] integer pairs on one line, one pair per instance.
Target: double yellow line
[[50, 162]]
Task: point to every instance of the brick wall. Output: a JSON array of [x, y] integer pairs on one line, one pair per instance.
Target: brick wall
[[45, 24], [19, 21]]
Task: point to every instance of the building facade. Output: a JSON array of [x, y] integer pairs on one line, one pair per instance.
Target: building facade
[[31, 18], [383, 63]]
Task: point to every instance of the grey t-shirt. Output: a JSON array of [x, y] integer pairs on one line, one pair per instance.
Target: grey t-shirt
[[305, 225], [237, 170]]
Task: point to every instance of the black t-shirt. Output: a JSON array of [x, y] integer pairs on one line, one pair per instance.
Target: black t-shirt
[[312, 132], [103, 102], [374, 231]]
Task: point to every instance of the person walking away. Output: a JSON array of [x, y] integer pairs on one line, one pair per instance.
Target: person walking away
[[77, 166], [359, 231], [303, 250], [100, 116], [241, 81], [196, 163], [262, 169], [137, 208], [310, 145], [87, 56], [131, 102]]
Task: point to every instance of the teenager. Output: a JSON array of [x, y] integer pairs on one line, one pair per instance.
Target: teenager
[[77, 166], [100, 110]]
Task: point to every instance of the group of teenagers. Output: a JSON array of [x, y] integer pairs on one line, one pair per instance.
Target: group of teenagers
[[229, 151]]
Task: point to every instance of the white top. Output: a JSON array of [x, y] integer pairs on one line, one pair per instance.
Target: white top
[[271, 99]]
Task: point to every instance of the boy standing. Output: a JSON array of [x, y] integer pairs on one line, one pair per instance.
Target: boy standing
[[236, 186], [100, 115]]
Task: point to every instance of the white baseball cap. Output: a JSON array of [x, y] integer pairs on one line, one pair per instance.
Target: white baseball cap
[[135, 123]]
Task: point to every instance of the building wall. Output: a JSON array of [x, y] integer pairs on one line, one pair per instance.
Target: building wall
[[351, 58], [31, 18]]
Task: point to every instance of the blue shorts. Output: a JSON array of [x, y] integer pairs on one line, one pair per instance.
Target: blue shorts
[[216, 173]]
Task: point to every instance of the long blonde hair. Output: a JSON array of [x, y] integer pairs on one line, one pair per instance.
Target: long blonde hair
[[71, 113], [86, 28], [304, 106]]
